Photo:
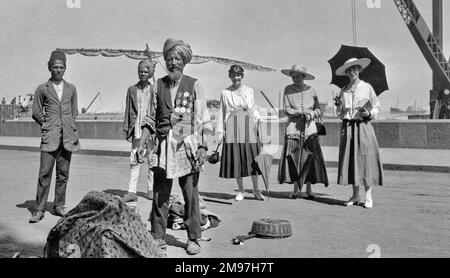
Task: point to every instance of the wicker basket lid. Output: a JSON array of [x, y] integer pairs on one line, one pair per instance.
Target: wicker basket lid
[[271, 228]]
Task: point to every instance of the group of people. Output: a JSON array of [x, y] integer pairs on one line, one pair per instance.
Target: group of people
[[169, 125], [302, 160]]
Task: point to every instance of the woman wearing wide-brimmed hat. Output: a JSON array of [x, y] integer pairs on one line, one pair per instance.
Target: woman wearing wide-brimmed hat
[[238, 127], [359, 155], [301, 159]]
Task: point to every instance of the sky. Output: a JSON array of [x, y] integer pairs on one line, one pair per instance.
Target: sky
[[272, 33]]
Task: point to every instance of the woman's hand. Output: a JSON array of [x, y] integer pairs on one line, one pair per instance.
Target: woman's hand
[[337, 100], [140, 154], [201, 156], [307, 116], [364, 112]]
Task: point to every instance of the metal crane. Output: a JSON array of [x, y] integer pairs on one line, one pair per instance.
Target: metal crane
[[84, 110], [430, 45]]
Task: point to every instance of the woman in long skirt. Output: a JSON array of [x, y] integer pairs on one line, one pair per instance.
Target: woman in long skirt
[[301, 159], [238, 127], [359, 155]]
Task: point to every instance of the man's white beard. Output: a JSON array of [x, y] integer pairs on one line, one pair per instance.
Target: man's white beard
[[175, 75]]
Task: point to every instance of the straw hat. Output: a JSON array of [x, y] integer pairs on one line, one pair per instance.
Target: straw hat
[[298, 69], [362, 62]]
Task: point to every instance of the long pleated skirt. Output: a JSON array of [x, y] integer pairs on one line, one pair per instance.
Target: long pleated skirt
[[302, 161], [359, 155], [238, 160]]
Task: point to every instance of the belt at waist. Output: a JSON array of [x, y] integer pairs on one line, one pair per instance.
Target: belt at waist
[[57, 114], [352, 121]]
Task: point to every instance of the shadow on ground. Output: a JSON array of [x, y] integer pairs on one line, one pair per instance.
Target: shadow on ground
[[144, 195], [319, 197], [217, 195], [30, 205], [174, 241], [120, 193], [327, 201], [9, 246], [117, 192]]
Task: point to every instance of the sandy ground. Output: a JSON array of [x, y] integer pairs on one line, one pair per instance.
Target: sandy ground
[[410, 218]]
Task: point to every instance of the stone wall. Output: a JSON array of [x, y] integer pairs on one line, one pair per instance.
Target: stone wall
[[425, 134]]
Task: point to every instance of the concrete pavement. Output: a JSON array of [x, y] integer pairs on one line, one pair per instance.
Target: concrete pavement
[[410, 218]]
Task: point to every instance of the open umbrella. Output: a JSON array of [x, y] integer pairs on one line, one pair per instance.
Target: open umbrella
[[374, 74]]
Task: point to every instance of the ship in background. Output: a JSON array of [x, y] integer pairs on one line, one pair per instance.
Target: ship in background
[[411, 110]]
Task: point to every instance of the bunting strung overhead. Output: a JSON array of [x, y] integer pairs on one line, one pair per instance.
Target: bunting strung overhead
[[152, 55]]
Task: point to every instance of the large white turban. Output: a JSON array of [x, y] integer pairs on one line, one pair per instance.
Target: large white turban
[[179, 46]]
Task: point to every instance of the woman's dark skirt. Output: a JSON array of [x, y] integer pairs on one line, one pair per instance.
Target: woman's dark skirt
[[238, 160], [302, 161]]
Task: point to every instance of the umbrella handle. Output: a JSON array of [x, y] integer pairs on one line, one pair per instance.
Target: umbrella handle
[[218, 145]]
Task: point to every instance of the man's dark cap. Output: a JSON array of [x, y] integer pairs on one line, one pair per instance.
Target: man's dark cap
[[57, 55]]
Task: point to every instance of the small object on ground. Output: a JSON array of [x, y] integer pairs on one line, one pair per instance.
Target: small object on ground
[[217, 201], [101, 226], [266, 228]]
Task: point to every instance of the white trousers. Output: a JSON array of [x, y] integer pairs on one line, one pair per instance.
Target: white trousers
[[135, 168]]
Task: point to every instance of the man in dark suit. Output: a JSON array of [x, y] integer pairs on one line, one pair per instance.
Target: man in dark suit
[[55, 109]]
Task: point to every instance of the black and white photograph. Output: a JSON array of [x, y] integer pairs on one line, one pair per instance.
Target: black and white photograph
[[244, 131]]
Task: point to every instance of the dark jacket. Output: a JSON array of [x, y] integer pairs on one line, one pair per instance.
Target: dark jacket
[[131, 110], [165, 102], [56, 117]]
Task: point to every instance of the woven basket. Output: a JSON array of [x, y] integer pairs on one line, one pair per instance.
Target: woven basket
[[266, 228], [271, 228]]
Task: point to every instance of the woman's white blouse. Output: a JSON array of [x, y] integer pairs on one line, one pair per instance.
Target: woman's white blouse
[[234, 102], [350, 100]]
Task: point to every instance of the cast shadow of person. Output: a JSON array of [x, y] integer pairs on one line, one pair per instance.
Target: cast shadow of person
[[120, 193], [319, 197], [217, 195], [30, 205], [116, 192], [174, 241]]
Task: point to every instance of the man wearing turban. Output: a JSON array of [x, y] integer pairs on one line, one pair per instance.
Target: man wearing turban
[[140, 101], [183, 125], [55, 109]]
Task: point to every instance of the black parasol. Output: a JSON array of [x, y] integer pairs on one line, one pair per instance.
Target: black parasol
[[374, 74]]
